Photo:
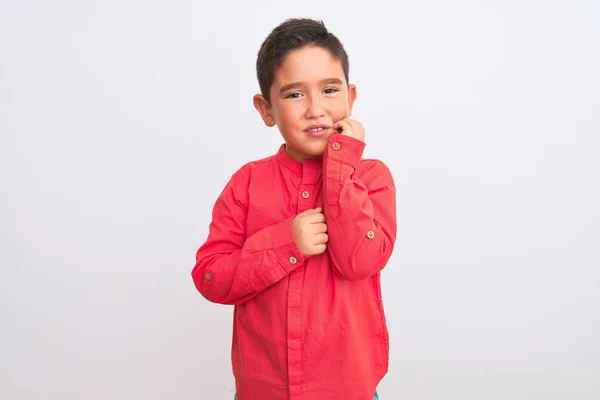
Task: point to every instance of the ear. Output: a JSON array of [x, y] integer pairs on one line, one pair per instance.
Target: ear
[[262, 105], [351, 96]]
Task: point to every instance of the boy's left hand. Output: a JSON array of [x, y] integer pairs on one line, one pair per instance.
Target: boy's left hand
[[350, 127]]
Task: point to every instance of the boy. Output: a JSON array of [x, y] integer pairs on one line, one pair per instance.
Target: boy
[[297, 240]]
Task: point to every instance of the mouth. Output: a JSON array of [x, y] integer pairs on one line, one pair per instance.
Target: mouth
[[317, 131]]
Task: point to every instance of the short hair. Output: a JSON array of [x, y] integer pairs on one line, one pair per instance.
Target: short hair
[[294, 34]]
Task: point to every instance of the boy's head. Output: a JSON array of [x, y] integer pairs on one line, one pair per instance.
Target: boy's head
[[302, 71]]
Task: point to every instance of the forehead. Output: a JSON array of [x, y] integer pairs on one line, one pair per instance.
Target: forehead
[[308, 64]]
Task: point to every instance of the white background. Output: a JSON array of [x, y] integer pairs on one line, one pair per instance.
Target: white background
[[122, 121]]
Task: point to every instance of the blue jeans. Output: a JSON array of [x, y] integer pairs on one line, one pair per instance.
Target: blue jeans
[[376, 397]]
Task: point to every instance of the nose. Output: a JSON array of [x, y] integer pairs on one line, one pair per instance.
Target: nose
[[314, 107]]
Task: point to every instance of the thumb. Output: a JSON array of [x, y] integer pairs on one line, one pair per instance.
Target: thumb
[[311, 211]]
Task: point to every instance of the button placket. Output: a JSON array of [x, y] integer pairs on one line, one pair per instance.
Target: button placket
[[306, 196]]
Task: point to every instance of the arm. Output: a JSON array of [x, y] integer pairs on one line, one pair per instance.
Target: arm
[[230, 268], [360, 213]]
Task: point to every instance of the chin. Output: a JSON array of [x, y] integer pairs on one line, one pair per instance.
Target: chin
[[314, 151]]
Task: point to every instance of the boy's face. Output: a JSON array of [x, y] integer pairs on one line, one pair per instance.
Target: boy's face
[[308, 95]]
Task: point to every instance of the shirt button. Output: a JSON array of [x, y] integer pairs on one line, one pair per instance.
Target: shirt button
[[293, 260], [208, 276], [370, 234], [336, 146], [305, 194]]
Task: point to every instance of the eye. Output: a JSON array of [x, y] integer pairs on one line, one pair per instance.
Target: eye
[[294, 95], [330, 90]]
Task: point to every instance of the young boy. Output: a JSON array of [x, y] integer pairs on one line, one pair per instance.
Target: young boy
[[297, 240]]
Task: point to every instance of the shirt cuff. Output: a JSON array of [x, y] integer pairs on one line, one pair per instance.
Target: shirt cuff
[[345, 149], [285, 247]]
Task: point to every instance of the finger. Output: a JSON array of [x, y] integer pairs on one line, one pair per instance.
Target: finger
[[321, 238], [342, 125], [357, 128], [320, 248], [320, 227], [352, 128], [316, 218]]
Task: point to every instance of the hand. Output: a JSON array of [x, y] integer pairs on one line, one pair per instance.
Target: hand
[[309, 230], [350, 127]]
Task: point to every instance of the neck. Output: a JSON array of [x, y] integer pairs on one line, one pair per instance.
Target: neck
[[296, 155]]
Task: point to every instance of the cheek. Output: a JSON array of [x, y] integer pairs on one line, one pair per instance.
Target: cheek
[[341, 108], [340, 113], [291, 114]]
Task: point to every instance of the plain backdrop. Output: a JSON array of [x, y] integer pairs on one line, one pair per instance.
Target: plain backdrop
[[121, 121]]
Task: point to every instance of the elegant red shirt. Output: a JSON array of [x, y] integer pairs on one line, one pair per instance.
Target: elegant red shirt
[[305, 328]]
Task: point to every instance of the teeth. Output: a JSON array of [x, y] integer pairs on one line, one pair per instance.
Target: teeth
[[316, 129]]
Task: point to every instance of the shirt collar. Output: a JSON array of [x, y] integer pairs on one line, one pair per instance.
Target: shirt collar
[[310, 164]]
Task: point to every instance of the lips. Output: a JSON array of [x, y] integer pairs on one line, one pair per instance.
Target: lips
[[317, 131]]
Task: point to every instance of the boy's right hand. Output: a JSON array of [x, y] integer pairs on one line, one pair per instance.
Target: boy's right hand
[[310, 231]]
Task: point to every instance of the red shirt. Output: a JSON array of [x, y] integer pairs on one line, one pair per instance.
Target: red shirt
[[305, 328]]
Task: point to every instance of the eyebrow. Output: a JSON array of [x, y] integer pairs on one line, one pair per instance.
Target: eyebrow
[[294, 85]]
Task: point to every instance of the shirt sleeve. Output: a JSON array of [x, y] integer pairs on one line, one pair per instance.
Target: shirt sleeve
[[230, 268], [360, 213]]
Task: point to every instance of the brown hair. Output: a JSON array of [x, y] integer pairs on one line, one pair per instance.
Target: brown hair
[[291, 35]]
